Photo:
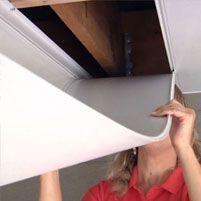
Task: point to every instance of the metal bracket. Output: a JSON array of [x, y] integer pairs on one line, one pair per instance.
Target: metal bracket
[[128, 50]]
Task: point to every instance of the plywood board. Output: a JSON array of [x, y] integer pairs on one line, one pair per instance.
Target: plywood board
[[97, 25]]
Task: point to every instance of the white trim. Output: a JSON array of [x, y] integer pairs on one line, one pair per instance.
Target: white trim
[[166, 36], [33, 34]]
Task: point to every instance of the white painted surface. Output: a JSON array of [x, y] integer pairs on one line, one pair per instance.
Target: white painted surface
[[127, 100], [180, 22], [27, 45], [43, 128]]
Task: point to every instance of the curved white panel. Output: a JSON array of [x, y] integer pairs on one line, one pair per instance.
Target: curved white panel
[[127, 100], [180, 22], [44, 128]]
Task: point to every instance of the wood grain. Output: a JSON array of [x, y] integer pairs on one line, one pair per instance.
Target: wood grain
[[97, 26], [149, 54], [34, 3]]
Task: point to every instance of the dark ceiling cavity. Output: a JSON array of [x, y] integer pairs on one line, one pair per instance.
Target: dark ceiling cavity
[[48, 21]]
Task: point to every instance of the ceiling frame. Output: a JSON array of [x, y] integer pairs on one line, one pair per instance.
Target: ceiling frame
[[34, 3], [98, 28]]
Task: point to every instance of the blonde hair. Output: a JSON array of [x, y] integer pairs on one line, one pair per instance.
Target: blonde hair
[[121, 168]]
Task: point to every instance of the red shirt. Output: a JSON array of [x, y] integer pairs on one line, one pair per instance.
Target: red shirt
[[173, 189]]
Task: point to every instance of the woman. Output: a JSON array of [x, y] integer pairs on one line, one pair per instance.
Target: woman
[[168, 170]]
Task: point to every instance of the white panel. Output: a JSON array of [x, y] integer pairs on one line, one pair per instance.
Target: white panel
[[44, 128], [27, 45], [128, 101], [180, 22]]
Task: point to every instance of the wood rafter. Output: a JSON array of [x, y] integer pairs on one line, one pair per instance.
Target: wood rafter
[[97, 26], [95, 23], [34, 3]]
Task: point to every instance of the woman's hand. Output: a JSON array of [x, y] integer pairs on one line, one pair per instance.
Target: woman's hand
[[183, 121], [181, 134]]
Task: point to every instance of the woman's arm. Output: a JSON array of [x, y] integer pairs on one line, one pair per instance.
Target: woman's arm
[[50, 189], [191, 171], [181, 135]]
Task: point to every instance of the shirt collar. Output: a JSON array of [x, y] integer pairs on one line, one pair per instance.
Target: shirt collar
[[172, 184], [175, 180]]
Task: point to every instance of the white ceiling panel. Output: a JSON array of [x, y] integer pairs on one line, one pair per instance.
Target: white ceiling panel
[[180, 23], [44, 128]]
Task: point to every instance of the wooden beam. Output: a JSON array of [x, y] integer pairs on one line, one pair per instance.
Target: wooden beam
[[149, 53], [34, 3], [97, 26]]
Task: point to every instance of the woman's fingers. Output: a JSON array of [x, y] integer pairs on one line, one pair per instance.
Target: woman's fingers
[[182, 123], [168, 111], [173, 108]]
